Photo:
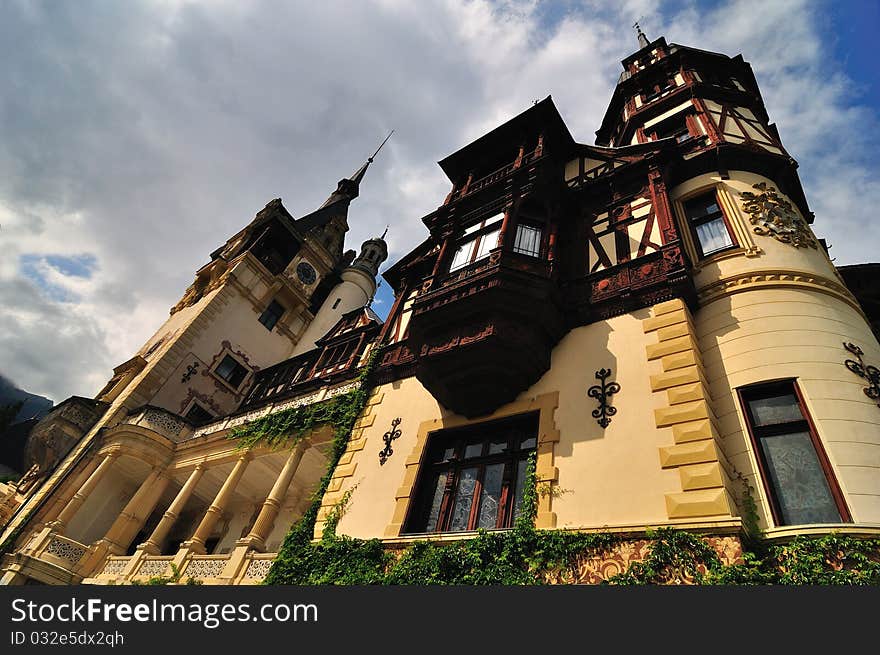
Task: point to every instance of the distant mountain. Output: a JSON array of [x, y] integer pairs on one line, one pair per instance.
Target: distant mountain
[[34, 405]]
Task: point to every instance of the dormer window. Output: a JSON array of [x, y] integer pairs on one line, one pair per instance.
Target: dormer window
[[476, 242]]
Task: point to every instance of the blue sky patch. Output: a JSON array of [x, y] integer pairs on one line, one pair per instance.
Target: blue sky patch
[[81, 266]]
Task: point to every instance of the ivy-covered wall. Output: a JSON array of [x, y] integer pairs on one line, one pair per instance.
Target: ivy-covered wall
[[525, 555]]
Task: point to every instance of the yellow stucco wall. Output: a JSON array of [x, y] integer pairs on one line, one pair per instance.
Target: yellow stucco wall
[[609, 477], [778, 333], [233, 319], [772, 311]]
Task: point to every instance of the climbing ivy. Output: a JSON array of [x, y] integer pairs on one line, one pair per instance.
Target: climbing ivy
[[172, 579], [525, 555]]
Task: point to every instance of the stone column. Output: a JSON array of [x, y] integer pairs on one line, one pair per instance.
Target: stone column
[[218, 506], [153, 545], [136, 511], [84, 491], [262, 527], [57, 502]]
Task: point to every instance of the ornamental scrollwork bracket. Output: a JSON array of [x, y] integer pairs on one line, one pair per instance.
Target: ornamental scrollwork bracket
[[603, 392], [771, 215], [190, 371], [388, 437], [870, 373]]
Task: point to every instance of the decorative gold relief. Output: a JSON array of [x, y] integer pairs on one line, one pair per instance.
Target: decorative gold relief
[[772, 216]]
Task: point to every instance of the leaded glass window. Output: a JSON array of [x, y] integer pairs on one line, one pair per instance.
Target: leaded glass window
[[473, 477], [796, 472]]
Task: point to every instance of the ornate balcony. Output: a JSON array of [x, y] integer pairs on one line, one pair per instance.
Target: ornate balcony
[[484, 334]]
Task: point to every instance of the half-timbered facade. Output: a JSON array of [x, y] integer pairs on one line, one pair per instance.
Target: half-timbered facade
[[651, 317]]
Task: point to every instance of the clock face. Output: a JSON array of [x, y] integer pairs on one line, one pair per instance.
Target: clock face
[[306, 273]]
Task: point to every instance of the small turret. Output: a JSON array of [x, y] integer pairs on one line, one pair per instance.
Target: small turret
[[373, 252]]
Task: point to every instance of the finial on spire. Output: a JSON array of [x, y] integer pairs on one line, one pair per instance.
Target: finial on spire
[[384, 233], [370, 159], [643, 40], [359, 173]]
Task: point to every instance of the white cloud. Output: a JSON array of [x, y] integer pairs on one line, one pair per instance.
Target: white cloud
[[145, 133]]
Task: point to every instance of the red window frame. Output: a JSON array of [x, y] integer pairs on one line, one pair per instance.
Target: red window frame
[[770, 390], [521, 429]]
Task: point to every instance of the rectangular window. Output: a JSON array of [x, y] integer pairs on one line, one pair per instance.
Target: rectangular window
[[675, 127], [796, 472], [198, 415], [528, 240], [476, 242], [230, 370], [473, 477], [708, 224], [337, 356], [272, 314]]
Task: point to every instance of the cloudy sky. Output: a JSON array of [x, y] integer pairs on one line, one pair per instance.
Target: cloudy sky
[[138, 135]]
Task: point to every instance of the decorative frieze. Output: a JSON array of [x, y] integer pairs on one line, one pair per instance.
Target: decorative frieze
[[597, 568], [752, 280], [345, 388], [163, 422]]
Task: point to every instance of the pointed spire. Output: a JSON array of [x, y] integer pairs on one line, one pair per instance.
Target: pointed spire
[[384, 233], [643, 40], [359, 174], [349, 187]]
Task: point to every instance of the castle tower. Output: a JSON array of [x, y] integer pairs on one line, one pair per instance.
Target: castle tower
[[246, 310], [776, 330]]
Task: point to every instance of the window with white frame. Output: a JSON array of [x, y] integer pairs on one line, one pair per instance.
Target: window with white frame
[[476, 242]]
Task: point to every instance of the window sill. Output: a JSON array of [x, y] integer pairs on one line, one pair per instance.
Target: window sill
[[410, 537], [787, 532], [720, 255]]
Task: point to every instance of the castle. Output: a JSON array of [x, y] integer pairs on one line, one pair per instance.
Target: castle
[[650, 318]]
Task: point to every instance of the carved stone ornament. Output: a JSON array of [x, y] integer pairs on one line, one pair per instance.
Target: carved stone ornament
[[770, 215]]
